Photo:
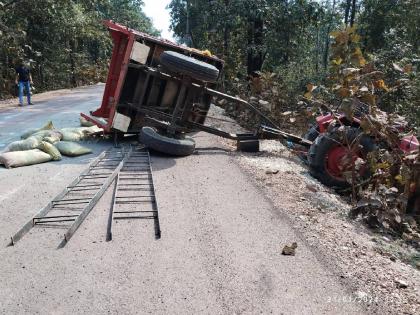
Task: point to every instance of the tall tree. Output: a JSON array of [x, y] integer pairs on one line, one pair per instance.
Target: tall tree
[[63, 41]]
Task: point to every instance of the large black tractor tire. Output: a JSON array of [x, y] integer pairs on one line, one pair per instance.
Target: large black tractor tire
[[189, 66], [329, 146], [311, 135], [167, 145]]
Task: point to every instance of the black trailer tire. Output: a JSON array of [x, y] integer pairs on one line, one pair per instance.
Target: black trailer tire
[[167, 145], [192, 67], [321, 149], [248, 145]]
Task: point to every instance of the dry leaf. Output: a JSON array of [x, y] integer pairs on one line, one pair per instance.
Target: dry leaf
[[380, 84], [310, 87], [344, 92], [408, 68]]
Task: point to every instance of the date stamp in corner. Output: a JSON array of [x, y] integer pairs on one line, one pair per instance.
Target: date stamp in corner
[[364, 298]]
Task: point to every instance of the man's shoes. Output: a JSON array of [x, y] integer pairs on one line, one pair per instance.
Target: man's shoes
[[20, 105], [30, 103]]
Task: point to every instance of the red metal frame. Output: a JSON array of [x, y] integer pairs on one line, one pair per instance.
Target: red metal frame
[[123, 40], [408, 144], [324, 121]]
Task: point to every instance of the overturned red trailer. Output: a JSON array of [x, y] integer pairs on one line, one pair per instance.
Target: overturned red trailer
[[156, 83], [129, 85]]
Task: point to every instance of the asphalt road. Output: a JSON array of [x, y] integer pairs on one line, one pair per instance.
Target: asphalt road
[[220, 251]]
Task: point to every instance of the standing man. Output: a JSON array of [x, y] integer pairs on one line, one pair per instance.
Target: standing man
[[24, 80]]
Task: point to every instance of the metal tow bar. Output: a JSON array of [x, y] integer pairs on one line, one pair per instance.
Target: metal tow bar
[[134, 192], [75, 202]]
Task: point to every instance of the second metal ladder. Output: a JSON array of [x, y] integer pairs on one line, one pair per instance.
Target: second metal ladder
[[134, 192]]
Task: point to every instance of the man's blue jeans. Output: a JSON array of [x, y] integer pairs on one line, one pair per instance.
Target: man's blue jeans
[[27, 86]]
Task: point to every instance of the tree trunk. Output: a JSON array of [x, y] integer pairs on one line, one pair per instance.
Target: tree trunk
[[317, 50], [255, 45], [226, 41], [327, 41], [353, 12], [72, 63], [347, 12], [41, 74], [226, 32]]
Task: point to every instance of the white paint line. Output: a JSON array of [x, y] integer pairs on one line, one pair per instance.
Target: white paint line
[[11, 116], [10, 193], [55, 176]]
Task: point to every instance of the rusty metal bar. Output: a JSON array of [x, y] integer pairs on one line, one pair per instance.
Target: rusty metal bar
[[134, 217], [111, 211]]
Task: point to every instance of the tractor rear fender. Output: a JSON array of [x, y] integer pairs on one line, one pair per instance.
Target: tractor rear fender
[[324, 122]]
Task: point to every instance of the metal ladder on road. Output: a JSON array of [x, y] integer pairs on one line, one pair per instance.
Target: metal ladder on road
[[76, 201], [134, 189]]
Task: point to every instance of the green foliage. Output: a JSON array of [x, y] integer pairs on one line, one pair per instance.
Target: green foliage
[[293, 40], [360, 90], [64, 42], [301, 54], [379, 19]]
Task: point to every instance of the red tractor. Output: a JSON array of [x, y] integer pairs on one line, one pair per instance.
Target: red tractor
[[340, 149]]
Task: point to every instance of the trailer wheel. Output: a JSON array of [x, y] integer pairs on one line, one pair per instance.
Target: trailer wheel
[[192, 67], [330, 156], [163, 144], [248, 145]]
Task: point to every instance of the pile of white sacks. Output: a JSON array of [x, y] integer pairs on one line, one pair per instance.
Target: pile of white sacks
[[47, 144]]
